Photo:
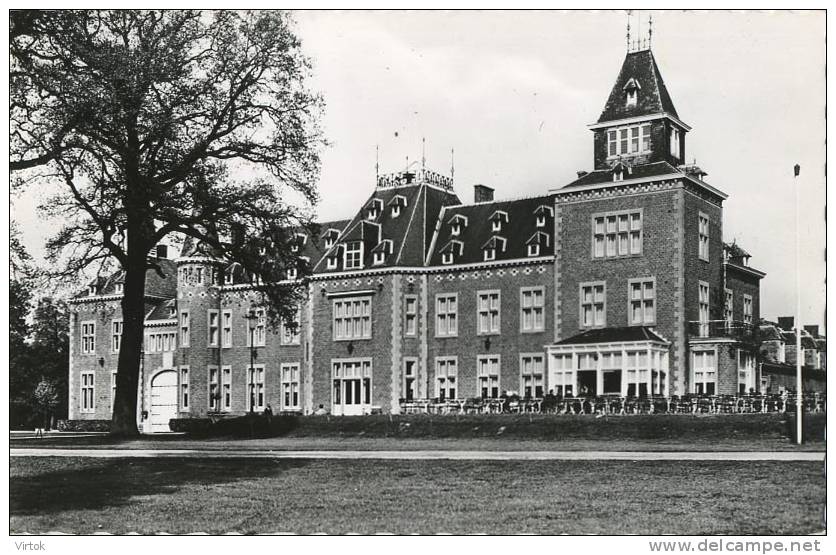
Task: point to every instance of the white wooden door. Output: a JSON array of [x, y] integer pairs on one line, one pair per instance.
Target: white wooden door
[[163, 400]]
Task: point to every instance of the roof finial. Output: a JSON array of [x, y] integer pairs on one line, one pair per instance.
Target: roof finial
[[628, 30], [649, 30], [423, 153], [452, 163], [377, 163]]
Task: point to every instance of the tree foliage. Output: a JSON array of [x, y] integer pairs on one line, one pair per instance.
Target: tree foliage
[[152, 123]]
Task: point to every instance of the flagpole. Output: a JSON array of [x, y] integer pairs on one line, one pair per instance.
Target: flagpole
[[799, 354]]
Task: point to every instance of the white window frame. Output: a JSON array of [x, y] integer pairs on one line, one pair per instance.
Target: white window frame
[[609, 230], [88, 337], [496, 225], [116, 328], [258, 335], [443, 319], [704, 307], [331, 263], [409, 363], [533, 372], [704, 236], [289, 336], [213, 378], [728, 306], [492, 313], [446, 377], [183, 396], [345, 321], [112, 389], [456, 229], [704, 374], [362, 369], [396, 210], [378, 258], [210, 328], [87, 402], [632, 97], [410, 322], [535, 313], [352, 254], [257, 385], [226, 388], [533, 249], [628, 141], [643, 301], [290, 393], [748, 308], [489, 375], [489, 254], [292, 274], [447, 258], [594, 303], [675, 142], [226, 329]]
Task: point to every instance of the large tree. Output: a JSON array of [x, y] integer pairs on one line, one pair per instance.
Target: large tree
[[152, 123]]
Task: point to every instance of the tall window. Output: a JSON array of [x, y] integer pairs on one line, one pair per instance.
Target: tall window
[[488, 303], [703, 236], [745, 372], [636, 366], [593, 305], [487, 376], [290, 386], [226, 333], [112, 389], [446, 375], [88, 338], [617, 234], [532, 304], [642, 301], [409, 376], [675, 142], [226, 388], [628, 140], [704, 309], [184, 329], [290, 330], [213, 328], [410, 315], [88, 402], [747, 309], [184, 388], [705, 372], [728, 307], [116, 335], [255, 388], [531, 375], [214, 389], [353, 255], [353, 318], [446, 315]]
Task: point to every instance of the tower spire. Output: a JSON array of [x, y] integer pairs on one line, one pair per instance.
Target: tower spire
[[452, 163], [423, 153], [628, 30], [649, 30], [376, 163]]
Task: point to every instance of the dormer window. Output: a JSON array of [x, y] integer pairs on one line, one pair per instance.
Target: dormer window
[[620, 172], [379, 258], [228, 276], [632, 97], [331, 263], [457, 224], [534, 249], [541, 213], [172, 312], [380, 251], [490, 248], [536, 243], [329, 242], [498, 218], [373, 208], [120, 287], [91, 290], [447, 258], [292, 273], [397, 203], [452, 249], [396, 211], [456, 229], [490, 254], [631, 90], [299, 241], [353, 255]]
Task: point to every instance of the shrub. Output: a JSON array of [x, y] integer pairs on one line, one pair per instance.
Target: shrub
[[84, 425], [250, 425]]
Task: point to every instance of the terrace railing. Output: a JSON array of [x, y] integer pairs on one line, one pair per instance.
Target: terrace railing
[[735, 329]]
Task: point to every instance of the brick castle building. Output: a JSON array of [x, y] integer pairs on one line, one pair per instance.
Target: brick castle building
[[616, 283]]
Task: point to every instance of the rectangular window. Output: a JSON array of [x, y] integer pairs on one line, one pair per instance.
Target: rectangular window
[[116, 336], [617, 234], [258, 336], [487, 376], [353, 318], [703, 236], [214, 389], [184, 329], [213, 328], [88, 338], [636, 366], [747, 309], [675, 142], [352, 380], [290, 330], [88, 402], [628, 140], [745, 372], [593, 299], [488, 311], [532, 309], [704, 309], [410, 374], [290, 386], [728, 307], [446, 376], [531, 375], [112, 389], [612, 141], [353, 255], [255, 388], [226, 333], [705, 372], [410, 315], [645, 138], [642, 294], [226, 388], [446, 315], [184, 388]]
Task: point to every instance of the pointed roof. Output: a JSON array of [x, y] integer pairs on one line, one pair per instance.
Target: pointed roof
[[653, 98]]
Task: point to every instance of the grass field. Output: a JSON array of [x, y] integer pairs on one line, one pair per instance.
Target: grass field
[[268, 496]]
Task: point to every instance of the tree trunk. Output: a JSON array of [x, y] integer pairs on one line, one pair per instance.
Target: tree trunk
[[130, 350]]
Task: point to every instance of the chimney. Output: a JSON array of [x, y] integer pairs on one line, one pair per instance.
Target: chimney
[[812, 330], [482, 193], [786, 323], [582, 173]]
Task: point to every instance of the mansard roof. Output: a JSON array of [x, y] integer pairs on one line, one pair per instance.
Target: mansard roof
[[636, 172], [624, 334], [653, 97], [157, 285], [520, 225], [162, 311]]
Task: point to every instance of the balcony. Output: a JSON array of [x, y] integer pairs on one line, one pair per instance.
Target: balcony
[[730, 329]]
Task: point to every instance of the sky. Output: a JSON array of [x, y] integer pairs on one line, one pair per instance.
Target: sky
[[513, 92]]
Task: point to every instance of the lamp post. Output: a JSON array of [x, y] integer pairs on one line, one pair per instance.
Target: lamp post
[[799, 407], [251, 317]]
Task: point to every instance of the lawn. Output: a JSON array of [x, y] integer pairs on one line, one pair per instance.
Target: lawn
[[546, 497]]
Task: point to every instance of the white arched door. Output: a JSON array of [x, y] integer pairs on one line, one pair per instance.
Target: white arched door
[[163, 400]]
